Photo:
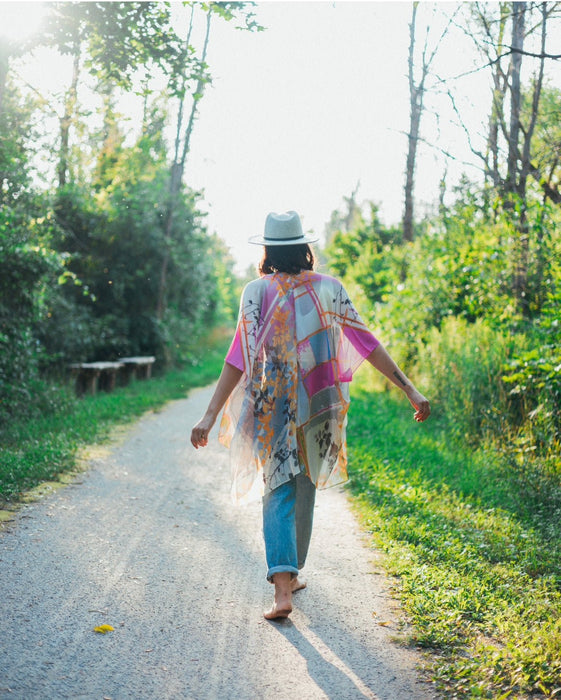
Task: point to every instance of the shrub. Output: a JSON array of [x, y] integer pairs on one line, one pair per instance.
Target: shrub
[[462, 363]]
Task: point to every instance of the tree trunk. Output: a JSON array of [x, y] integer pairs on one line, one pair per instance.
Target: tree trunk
[[176, 175], [492, 159], [525, 167], [409, 205], [497, 106], [66, 121], [518, 17], [526, 164], [415, 108], [196, 98], [179, 125]]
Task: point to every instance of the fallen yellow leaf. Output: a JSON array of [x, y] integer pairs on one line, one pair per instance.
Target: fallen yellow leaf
[[103, 629]]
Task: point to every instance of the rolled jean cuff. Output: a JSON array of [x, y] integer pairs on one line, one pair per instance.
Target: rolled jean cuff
[[279, 570]]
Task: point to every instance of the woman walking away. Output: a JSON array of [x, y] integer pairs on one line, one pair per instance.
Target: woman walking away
[[285, 388]]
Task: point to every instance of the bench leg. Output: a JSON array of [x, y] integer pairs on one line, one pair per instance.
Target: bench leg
[[144, 371], [86, 382], [126, 374], [107, 380]]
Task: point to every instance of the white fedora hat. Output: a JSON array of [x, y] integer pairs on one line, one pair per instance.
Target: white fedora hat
[[283, 229]]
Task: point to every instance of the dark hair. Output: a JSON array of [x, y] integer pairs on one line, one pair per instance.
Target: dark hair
[[286, 258]]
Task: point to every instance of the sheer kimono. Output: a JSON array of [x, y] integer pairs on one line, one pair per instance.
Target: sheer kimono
[[298, 342]]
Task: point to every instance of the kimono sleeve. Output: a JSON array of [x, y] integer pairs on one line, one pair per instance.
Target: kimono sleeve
[[234, 356], [363, 341], [242, 348], [358, 341]]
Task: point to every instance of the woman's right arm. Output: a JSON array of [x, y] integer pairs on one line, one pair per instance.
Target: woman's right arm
[[227, 382]]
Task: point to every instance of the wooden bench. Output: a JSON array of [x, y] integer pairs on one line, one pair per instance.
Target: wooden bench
[[91, 376], [136, 368]]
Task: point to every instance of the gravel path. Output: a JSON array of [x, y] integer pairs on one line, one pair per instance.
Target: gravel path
[[147, 541]]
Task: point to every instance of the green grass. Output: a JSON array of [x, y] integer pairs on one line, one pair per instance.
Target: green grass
[[36, 450], [475, 550]]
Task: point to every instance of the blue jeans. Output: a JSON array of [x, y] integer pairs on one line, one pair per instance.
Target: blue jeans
[[288, 514]]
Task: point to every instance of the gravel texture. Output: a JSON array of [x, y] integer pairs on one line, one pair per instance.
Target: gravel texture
[[147, 541]]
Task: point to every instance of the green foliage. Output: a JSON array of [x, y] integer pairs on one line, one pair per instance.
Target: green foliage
[[120, 36], [446, 304], [461, 365], [226, 298], [533, 378], [116, 239], [475, 555], [15, 138], [365, 257], [82, 268], [26, 264], [241, 11], [459, 268]]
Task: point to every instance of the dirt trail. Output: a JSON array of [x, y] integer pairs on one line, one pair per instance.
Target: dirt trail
[[147, 541]]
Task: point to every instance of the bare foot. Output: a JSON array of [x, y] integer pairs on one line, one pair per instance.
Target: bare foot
[[278, 611], [298, 585], [282, 607]]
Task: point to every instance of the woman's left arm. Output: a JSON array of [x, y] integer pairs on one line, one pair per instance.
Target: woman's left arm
[[380, 359]]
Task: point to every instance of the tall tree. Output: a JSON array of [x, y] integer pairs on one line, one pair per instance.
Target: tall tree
[[499, 78], [182, 145], [509, 161], [194, 76], [112, 40], [513, 183], [416, 98], [418, 71]]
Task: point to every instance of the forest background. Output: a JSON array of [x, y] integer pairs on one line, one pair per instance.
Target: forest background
[[105, 251]]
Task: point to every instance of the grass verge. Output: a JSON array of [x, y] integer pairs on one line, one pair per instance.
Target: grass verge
[[475, 552], [36, 450]]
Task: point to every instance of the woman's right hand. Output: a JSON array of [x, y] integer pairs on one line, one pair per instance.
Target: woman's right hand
[[229, 377], [200, 433]]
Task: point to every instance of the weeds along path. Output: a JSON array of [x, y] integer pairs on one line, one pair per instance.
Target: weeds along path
[[148, 542]]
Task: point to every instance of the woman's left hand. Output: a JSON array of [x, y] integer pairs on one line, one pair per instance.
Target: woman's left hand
[[420, 404]]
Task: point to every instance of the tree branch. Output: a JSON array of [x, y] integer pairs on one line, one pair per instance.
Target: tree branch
[[466, 132], [531, 54], [444, 152], [550, 191]]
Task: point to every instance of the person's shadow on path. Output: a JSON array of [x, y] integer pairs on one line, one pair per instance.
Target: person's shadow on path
[[339, 663]]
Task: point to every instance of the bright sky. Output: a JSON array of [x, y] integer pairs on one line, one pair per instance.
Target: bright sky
[[299, 114]]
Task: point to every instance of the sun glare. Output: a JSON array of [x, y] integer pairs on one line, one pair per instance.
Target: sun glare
[[20, 20]]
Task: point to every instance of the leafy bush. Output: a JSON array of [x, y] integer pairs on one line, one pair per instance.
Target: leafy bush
[[461, 365], [138, 282], [448, 308], [364, 257], [26, 264]]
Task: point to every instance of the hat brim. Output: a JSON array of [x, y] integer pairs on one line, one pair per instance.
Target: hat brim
[[260, 240]]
